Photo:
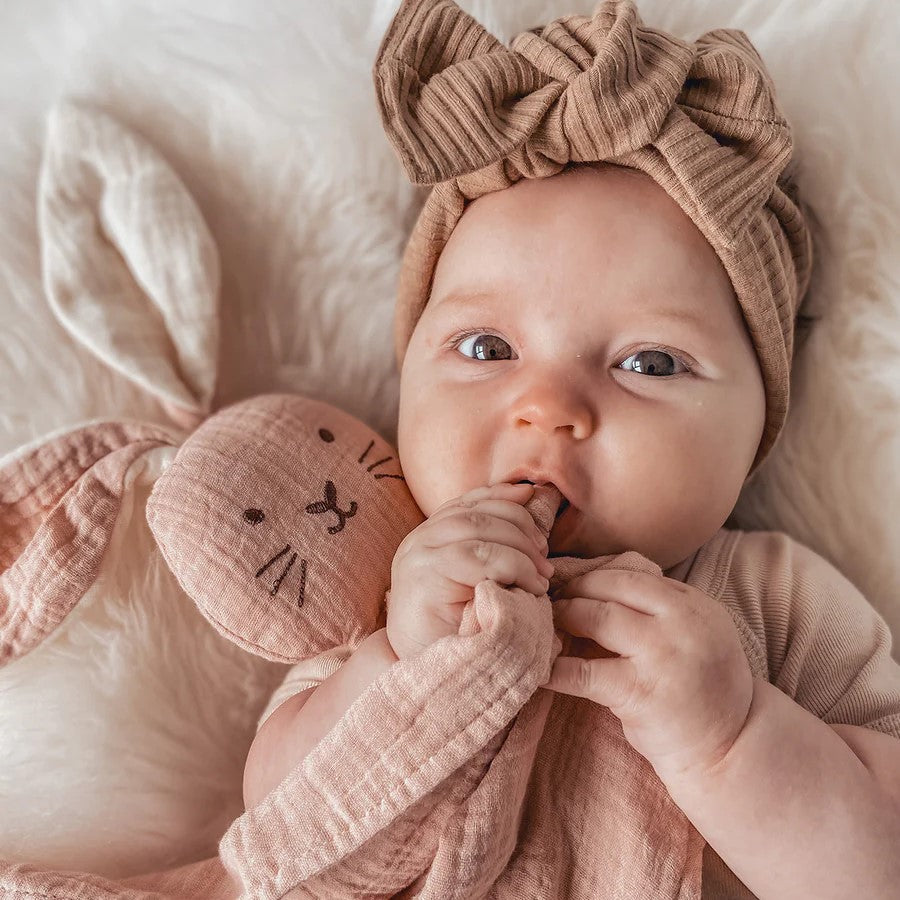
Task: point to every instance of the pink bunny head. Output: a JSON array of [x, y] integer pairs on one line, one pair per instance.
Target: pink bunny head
[[280, 517]]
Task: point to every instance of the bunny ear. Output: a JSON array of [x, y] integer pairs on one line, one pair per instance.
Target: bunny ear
[[130, 268], [59, 500]]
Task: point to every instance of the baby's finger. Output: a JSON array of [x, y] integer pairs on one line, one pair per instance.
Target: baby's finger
[[470, 562], [518, 492], [478, 525], [611, 625], [609, 682], [500, 508]]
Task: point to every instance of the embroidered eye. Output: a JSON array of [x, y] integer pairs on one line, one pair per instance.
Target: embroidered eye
[[254, 516], [654, 362], [486, 346], [326, 435]]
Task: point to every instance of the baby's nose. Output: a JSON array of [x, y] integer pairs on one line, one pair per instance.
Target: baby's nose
[[552, 410]]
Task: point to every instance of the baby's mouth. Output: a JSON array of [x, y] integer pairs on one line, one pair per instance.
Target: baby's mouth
[[564, 505]]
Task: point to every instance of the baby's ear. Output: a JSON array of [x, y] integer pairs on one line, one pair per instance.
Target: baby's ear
[[59, 500], [129, 266], [280, 517]]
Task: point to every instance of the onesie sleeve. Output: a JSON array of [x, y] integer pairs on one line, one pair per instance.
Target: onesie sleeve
[[307, 673], [825, 645]]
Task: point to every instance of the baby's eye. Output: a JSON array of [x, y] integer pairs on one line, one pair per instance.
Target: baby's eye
[[485, 346], [653, 362]]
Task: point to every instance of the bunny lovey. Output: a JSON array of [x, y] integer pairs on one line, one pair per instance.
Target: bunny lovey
[[279, 516]]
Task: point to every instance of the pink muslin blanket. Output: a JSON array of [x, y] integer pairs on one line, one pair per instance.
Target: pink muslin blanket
[[454, 775]]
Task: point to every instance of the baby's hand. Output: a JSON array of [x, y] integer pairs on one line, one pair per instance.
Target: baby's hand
[[681, 684], [485, 533]]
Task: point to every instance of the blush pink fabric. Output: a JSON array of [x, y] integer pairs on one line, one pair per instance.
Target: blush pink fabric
[[280, 516], [454, 775], [58, 507]]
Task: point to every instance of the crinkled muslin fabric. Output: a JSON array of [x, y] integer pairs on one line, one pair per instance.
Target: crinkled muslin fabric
[[493, 792], [470, 116]]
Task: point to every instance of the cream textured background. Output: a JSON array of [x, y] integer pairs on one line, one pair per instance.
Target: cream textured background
[[266, 111]]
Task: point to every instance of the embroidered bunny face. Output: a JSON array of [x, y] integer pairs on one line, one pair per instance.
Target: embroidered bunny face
[[280, 516], [330, 504]]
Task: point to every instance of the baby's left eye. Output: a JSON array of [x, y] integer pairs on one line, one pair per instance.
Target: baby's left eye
[[653, 362]]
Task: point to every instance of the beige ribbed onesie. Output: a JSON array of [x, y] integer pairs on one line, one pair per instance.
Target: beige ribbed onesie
[[803, 626]]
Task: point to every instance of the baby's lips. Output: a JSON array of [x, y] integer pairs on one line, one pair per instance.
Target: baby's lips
[[543, 506]]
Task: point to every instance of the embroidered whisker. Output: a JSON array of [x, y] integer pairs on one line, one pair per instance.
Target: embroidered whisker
[[284, 572], [272, 560], [302, 594], [380, 461]]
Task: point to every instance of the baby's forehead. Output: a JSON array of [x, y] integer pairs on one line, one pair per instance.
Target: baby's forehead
[[581, 226], [608, 245]]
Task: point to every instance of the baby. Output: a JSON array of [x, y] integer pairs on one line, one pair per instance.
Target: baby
[[623, 330]]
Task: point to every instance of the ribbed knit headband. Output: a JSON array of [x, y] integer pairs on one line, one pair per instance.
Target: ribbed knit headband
[[471, 116]]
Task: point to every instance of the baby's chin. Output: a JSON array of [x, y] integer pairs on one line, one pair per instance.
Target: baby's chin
[[573, 534], [579, 540], [570, 536]]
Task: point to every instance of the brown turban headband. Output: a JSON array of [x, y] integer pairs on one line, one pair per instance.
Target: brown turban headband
[[471, 116]]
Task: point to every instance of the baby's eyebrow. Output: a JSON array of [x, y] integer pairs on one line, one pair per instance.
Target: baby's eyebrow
[[687, 316], [465, 298], [481, 299]]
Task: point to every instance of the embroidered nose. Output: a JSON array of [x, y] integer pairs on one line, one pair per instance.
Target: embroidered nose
[[330, 504]]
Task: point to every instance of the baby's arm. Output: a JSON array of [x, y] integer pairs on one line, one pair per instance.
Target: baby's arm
[[297, 725], [804, 807], [794, 811]]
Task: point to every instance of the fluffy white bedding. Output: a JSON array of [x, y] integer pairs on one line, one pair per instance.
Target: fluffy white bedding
[[266, 111]]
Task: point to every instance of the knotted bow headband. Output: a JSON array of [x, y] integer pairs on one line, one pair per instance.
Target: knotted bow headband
[[471, 116]]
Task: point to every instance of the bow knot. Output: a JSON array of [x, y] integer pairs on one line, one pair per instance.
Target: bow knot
[[458, 104]]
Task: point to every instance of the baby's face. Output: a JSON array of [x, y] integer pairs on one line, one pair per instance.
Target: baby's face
[[582, 325]]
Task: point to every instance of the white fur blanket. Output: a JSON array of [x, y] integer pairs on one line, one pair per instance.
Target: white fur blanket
[[266, 111]]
